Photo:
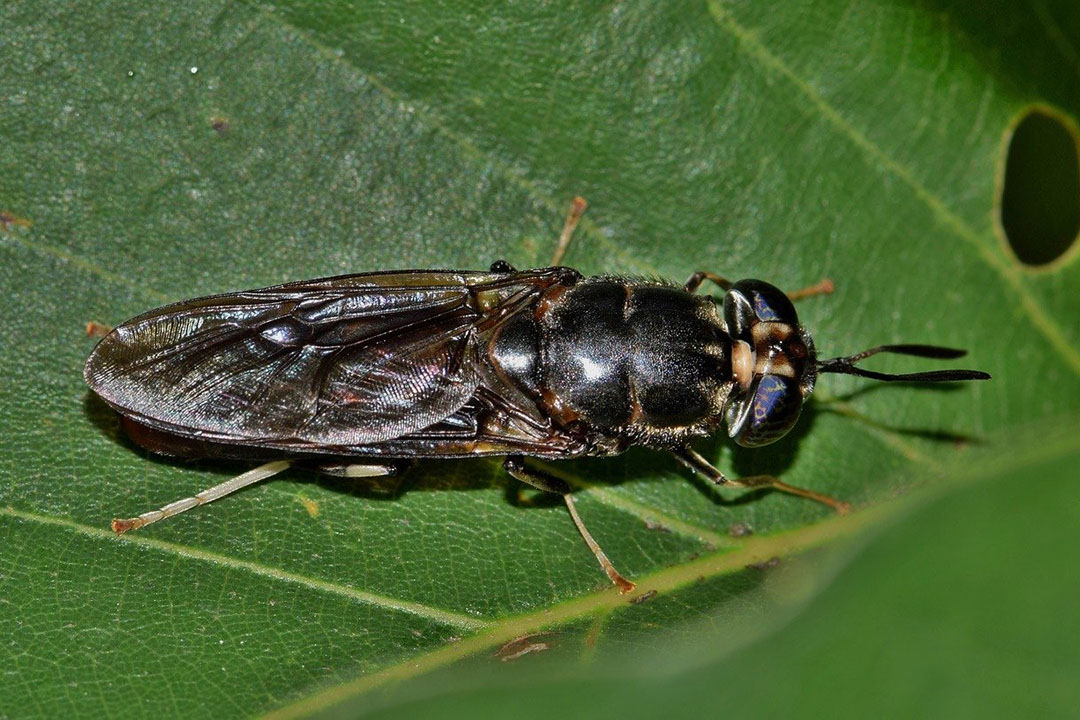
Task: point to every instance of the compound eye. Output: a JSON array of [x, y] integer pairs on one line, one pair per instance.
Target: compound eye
[[749, 302], [766, 413]]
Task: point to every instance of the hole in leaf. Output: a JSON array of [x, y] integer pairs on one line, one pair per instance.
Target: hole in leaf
[[1040, 198]]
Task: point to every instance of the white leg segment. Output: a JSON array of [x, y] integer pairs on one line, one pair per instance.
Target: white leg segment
[[218, 491]]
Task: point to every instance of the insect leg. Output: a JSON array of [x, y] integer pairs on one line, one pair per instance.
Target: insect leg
[[393, 469], [691, 459], [695, 280], [218, 491], [355, 470], [577, 209], [95, 329], [824, 287], [515, 466]]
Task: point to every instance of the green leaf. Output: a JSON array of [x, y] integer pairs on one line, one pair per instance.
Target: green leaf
[[156, 153]]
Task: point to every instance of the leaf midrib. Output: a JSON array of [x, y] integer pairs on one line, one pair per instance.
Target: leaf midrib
[[756, 550], [759, 548], [733, 555]]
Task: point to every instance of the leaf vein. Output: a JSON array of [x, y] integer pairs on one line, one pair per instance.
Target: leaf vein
[[406, 606], [1054, 32]]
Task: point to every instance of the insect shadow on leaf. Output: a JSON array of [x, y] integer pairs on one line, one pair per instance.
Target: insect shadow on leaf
[[840, 405]]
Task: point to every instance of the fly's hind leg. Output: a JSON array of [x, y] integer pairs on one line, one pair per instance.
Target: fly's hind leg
[[691, 459], [122, 525], [515, 466], [694, 282], [382, 468]]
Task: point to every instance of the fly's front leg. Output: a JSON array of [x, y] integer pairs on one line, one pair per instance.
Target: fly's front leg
[[825, 287], [515, 466], [691, 459], [694, 282]]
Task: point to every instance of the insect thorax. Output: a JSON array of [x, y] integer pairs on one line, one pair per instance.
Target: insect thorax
[[644, 362]]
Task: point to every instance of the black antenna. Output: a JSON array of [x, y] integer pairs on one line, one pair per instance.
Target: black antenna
[[846, 365]]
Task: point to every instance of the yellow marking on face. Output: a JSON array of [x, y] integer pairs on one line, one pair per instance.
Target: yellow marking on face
[[743, 363]]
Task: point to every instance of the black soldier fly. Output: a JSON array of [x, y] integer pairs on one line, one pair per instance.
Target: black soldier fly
[[359, 375]]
